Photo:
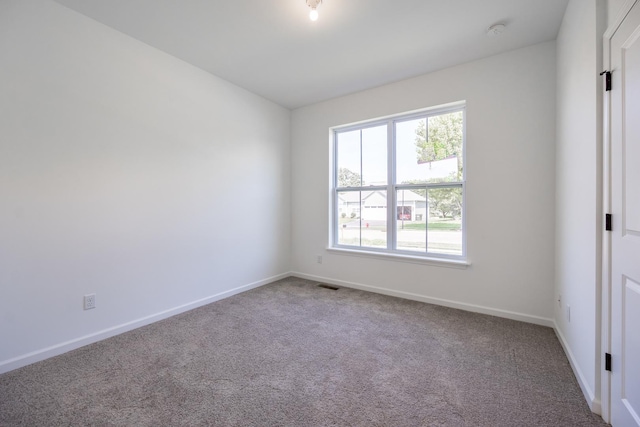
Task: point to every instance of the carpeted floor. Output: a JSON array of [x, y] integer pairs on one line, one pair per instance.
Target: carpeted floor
[[295, 354]]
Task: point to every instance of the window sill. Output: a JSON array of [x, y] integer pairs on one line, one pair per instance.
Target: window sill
[[440, 262]]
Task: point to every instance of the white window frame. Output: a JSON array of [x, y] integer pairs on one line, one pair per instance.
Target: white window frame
[[392, 189]]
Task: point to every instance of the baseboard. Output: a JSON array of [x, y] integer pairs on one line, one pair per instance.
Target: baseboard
[[594, 404], [55, 350], [431, 300]]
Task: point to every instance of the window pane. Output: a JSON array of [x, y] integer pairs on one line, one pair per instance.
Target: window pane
[[445, 220], [349, 218], [411, 219], [374, 219], [362, 218], [348, 152], [374, 156], [429, 149]]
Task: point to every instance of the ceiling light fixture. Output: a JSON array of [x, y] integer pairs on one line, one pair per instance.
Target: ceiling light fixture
[[313, 4]]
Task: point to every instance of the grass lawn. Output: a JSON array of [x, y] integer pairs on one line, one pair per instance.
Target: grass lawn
[[434, 224]]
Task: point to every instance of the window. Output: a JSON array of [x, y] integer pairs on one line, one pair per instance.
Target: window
[[398, 184]]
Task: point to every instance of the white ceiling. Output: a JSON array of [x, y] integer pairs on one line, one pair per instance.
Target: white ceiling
[[271, 48]]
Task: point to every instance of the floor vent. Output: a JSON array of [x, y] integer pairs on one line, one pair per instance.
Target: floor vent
[[324, 285]]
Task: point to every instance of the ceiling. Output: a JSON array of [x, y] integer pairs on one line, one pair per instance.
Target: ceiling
[[271, 48]]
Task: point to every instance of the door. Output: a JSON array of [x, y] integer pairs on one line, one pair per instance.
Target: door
[[625, 237]]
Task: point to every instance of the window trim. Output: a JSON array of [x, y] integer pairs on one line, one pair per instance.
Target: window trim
[[391, 188], [402, 257]]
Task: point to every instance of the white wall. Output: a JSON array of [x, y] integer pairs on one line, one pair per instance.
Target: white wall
[[510, 186], [128, 173], [579, 190]]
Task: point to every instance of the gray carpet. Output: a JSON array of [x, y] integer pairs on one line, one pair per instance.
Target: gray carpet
[[294, 354]]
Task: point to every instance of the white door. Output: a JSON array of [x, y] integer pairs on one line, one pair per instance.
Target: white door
[[625, 237]]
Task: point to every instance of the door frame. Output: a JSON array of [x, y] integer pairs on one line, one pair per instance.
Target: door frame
[[605, 297]]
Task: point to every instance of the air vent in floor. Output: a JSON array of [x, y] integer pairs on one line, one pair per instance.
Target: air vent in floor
[[324, 285]]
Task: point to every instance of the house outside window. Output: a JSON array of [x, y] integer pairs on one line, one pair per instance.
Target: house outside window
[[399, 183]]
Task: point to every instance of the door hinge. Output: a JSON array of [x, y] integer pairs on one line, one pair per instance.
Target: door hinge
[[607, 80], [607, 222], [607, 362]]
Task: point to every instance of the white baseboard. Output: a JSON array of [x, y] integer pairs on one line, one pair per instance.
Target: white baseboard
[[45, 353], [436, 301], [594, 404]]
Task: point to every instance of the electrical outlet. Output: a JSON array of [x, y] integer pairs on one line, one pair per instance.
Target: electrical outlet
[[319, 259], [89, 301], [568, 313]]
